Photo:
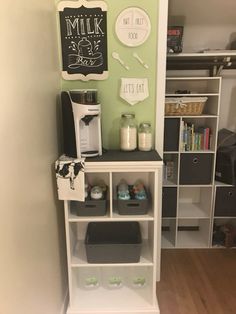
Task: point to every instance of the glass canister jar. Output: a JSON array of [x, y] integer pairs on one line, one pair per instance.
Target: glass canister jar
[[145, 137], [128, 132]]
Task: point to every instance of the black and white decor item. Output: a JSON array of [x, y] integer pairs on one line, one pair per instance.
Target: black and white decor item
[[83, 26], [70, 178]]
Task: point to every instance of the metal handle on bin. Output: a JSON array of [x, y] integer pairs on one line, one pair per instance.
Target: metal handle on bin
[[195, 160], [230, 193]]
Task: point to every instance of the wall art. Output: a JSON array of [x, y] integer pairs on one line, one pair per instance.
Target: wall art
[[133, 26], [116, 56], [134, 90], [83, 26], [140, 60]]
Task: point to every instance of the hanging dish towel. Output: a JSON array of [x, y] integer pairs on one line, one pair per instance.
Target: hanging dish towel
[[70, 178]]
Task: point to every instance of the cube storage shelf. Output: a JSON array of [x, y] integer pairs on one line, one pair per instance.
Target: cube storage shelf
[[104, 287], [188, 180]]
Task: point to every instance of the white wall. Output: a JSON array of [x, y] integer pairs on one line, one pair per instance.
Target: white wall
[[32, 262], [210, 24]]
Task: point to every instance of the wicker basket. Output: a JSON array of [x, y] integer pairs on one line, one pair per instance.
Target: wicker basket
[[184, 106]]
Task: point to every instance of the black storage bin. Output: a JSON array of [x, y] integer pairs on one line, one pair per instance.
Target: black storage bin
[[89, 207], [169, 201], [171, 134], [226, 165], [225, 203], [113, 242], [196, 168], [133, 206]]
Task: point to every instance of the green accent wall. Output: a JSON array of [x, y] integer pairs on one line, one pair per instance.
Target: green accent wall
[[108, 90]]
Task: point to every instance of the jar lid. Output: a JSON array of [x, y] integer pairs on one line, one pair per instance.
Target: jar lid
[[145, 124], [128, 115]]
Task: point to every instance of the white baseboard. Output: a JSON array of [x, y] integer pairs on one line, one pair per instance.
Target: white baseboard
[[65, 303]]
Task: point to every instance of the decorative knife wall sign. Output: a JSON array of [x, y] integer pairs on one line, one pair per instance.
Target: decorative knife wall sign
[[83, 26]]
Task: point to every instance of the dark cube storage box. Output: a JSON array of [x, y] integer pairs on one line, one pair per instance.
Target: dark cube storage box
[[171, 134], [113, 242], [196, 168], [89, 207], [133, 206], [225, 203], [169, 201], [226, 165]]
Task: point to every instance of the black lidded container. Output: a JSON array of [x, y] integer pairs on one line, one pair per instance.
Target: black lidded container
[[113, 242]]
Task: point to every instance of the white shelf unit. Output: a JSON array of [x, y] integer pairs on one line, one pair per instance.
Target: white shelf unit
[[128, 297], [191, 226]]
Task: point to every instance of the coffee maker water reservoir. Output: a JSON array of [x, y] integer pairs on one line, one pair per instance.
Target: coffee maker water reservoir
[[81, 114]]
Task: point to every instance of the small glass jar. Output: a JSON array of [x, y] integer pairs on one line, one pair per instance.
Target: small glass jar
[[145, 137], [128, 132]]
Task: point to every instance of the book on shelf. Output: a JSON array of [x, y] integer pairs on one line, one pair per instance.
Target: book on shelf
[[194, 138]]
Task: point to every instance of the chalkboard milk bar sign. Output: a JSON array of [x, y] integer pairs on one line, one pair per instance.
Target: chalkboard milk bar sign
[[83, 26]]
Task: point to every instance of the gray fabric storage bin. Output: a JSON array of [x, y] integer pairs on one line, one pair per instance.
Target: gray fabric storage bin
[[171, 134], [196, 168], [89, 207], [225, 203], [169, 201], [132, 207], [113, 242], [226, 165]]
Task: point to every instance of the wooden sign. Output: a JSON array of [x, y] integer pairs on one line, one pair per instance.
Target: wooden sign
[[83, 27]]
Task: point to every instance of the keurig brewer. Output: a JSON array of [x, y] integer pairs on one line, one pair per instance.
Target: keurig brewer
[[81, 123]]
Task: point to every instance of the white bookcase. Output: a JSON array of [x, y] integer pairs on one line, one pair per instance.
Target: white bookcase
[[127, 299], [187, 219]]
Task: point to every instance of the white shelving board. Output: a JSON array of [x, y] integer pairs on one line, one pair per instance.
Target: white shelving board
[[166, 240], [123, 300], [79, 258], [214, 61], [193, 239], [115, 217], [191, 210]]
